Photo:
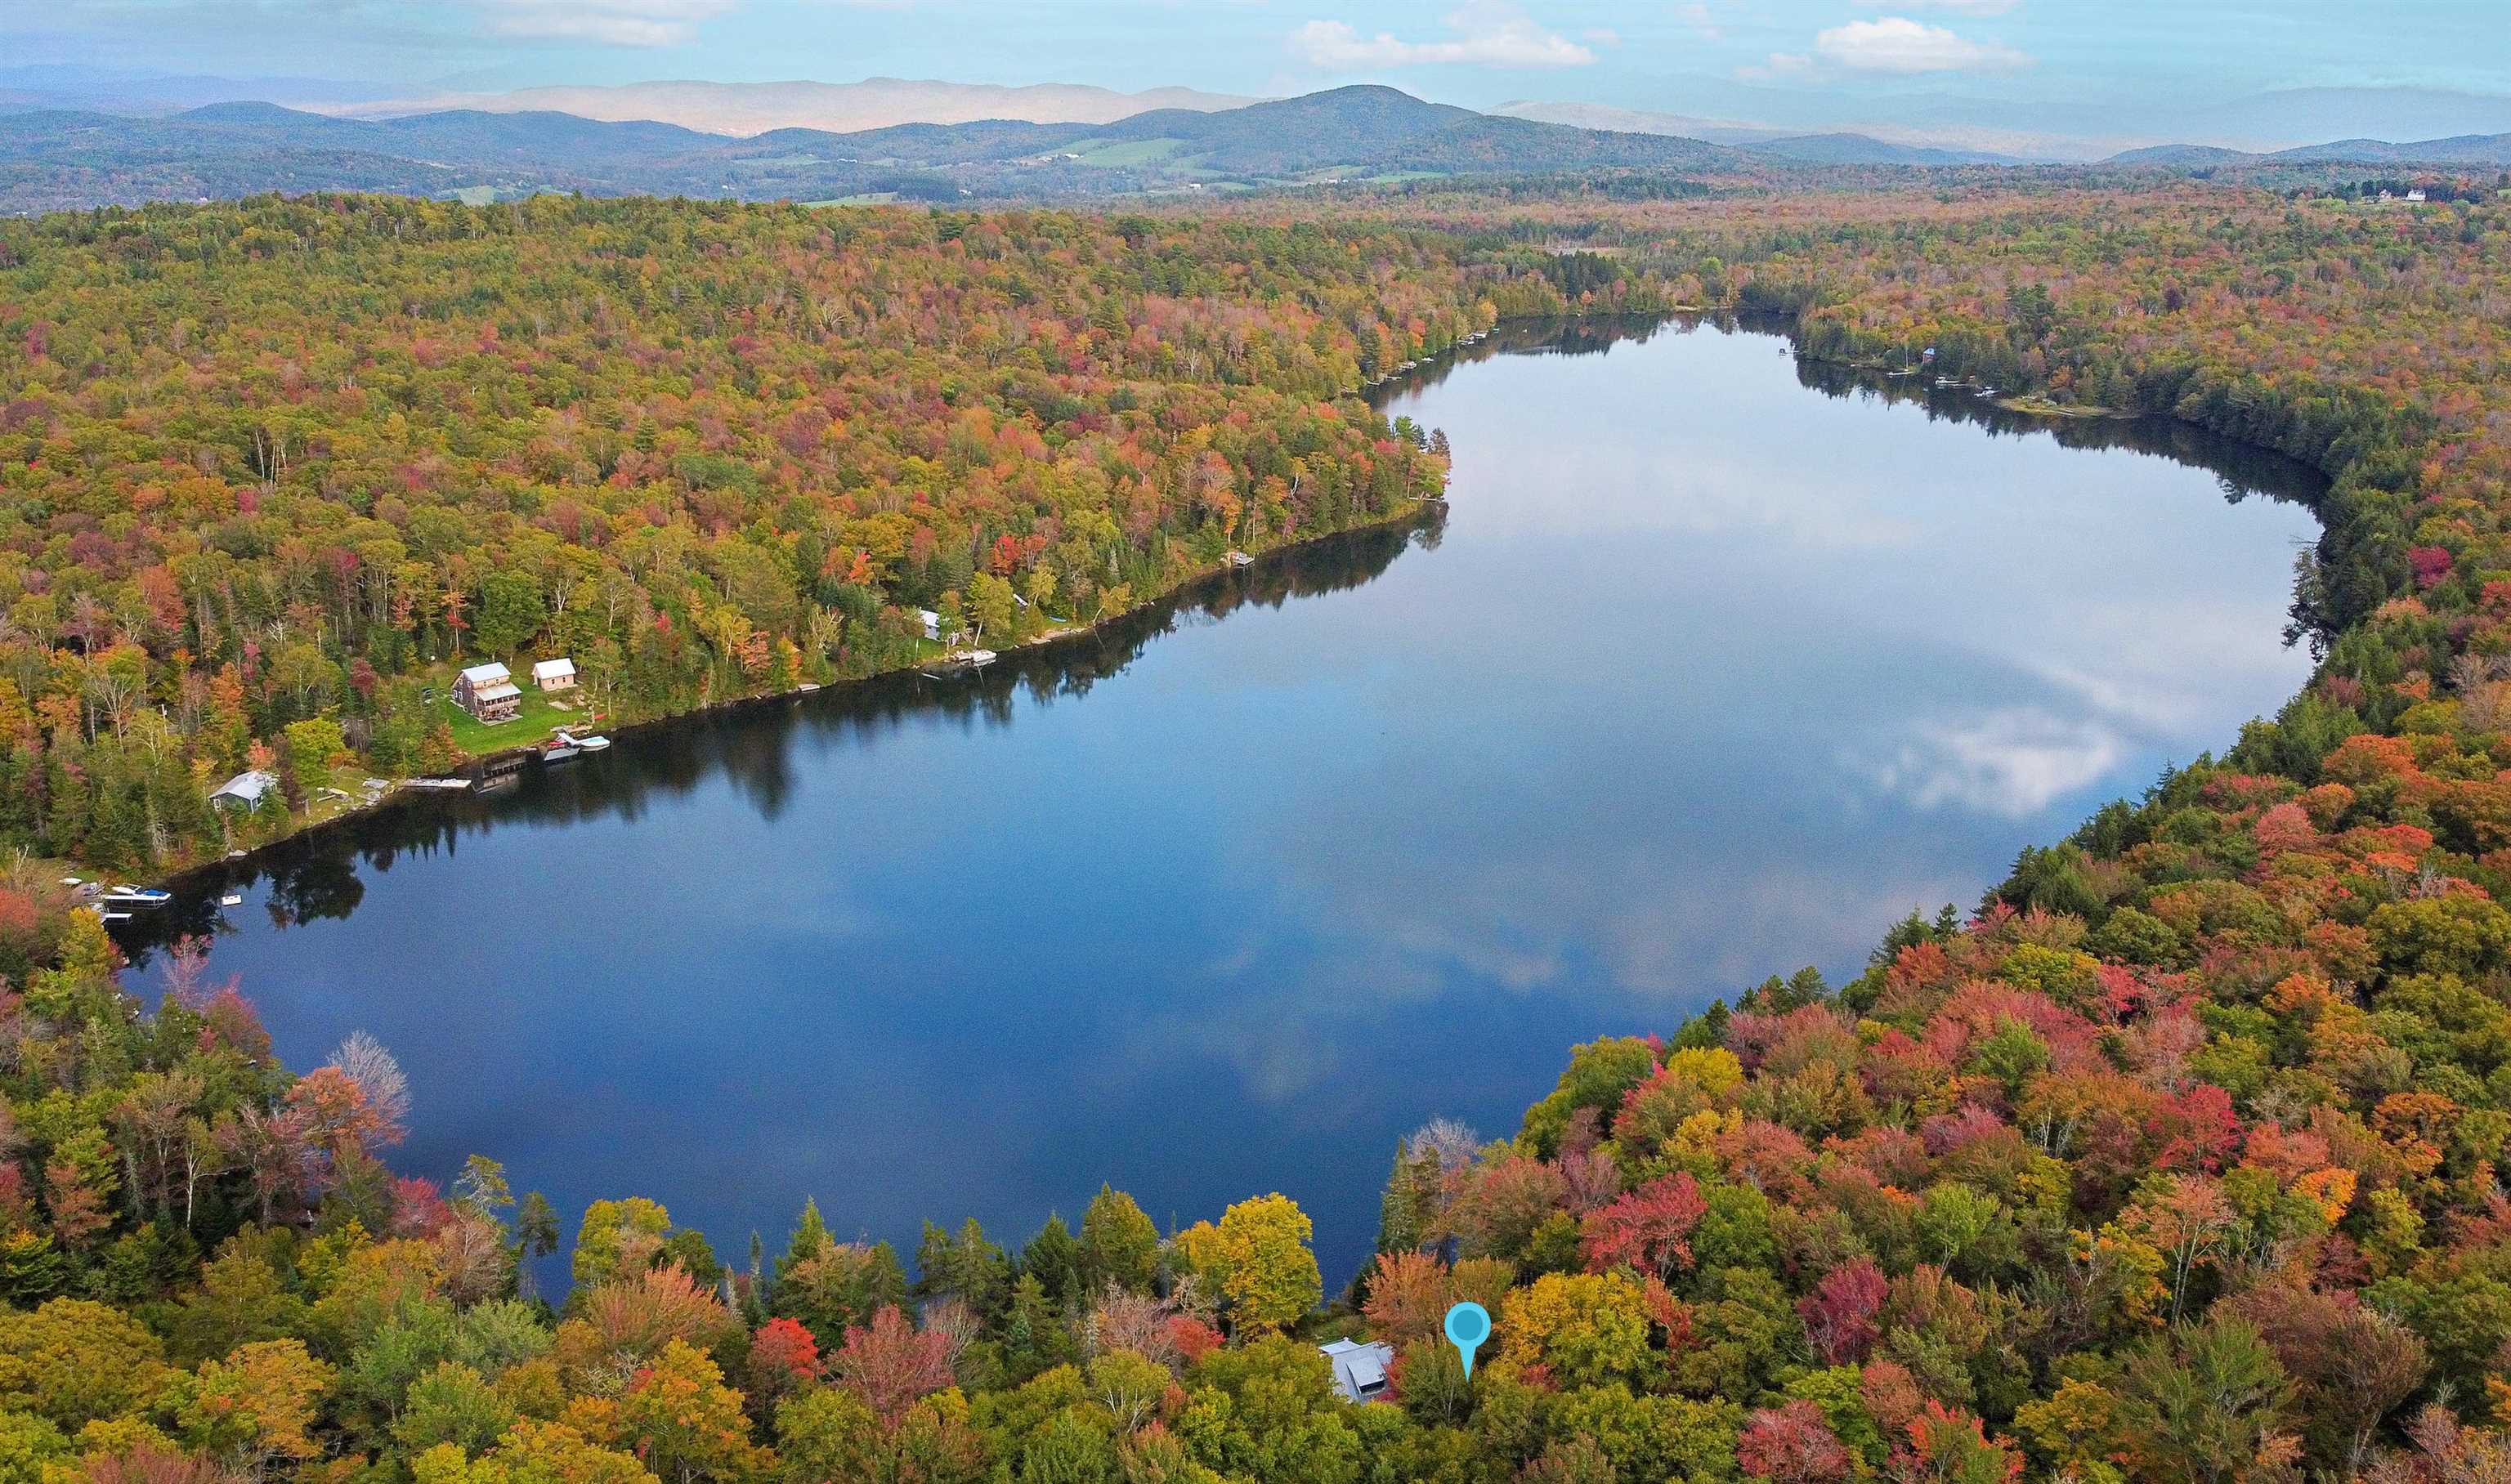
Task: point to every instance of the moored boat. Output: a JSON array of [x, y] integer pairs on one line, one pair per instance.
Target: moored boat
[[139, 897]]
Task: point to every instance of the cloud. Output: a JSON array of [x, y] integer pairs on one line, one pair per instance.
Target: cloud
[[611, 23], [2013, 762], [1899, 45], [1484, 35]]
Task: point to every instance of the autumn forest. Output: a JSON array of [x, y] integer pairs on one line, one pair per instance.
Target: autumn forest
[[2174, 1157]]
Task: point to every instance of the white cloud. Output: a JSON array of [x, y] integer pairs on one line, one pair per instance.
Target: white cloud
[[1899, 45], [611, 23], [1482, 34], [2014, 762]]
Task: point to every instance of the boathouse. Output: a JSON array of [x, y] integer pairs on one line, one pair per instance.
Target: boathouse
[[245, 790], [1359, 1370], [488, 693], [555, 675]]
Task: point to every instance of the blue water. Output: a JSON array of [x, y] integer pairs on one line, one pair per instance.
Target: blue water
[[1716, 665]]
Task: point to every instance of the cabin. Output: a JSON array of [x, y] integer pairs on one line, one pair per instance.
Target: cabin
[[245, 790], [488, 693], [2417, 194], [1359, 1370], [932, 623], [555, 675]]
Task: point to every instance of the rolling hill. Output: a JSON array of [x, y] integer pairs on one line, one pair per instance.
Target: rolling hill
[[2492, 151], [57, 159]]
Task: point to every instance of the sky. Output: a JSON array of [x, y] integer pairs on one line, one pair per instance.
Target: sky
[[1788, 60]]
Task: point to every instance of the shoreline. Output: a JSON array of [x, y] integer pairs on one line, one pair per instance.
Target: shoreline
[[473, 770], [1784, 326]]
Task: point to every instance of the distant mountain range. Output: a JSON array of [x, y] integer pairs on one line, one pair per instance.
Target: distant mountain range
[[1830, 147], [54, 159], [2462, 150], [753, 108]]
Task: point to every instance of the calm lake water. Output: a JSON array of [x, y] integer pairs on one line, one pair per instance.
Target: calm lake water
[[1717, 665]]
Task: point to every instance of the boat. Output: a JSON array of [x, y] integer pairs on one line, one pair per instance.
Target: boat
[[1241, 559], [593, 744], [1987, 391], [139, 897], [231, 899], [560, 750], [438, 786]]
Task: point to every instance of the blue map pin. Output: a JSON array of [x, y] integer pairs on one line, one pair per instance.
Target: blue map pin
[[1468, 1326]]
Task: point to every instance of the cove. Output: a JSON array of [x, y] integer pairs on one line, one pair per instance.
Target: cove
[[1716, 664]]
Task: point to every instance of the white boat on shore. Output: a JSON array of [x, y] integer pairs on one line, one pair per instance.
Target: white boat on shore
[[594, 743], [437, 786], [139, 897]]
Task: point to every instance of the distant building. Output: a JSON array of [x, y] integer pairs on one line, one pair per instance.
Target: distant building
[[488, 693], [2417, 194], [244, 790], [1359, 1370], [555, 675], [932, 623]]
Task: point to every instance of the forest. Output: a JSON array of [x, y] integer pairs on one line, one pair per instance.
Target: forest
[[2176, 1157], [273, 471]]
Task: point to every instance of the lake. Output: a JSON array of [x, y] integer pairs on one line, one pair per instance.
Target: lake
[[1716, 665]]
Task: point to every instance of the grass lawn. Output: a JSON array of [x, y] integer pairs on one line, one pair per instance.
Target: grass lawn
[[540, 717]]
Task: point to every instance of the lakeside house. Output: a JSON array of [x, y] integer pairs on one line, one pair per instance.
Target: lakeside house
[[555, 675], [1359, 1370], [488, 693], [246, 789], [932, 623]]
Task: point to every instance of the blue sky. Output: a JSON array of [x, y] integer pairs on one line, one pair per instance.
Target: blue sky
[[1702, 56]]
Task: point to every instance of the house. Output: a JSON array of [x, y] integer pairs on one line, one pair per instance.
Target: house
[[555, 675], [1359, 1370], [932, 623], [488, 693], [2417, 194], [244, 790]]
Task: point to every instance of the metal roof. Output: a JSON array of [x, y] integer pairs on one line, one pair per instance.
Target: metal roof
[[247, 786], [484, 675], [1359, 1370], [552, 669]]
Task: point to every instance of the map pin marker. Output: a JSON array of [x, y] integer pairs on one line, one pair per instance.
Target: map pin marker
[[1468, 1326]]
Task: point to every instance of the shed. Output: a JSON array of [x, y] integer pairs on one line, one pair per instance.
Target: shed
[[488, 691], [246, 788], [932, 623], [1359, 1370], [557, 674]]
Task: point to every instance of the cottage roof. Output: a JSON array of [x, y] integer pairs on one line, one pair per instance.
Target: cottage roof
[[561, 668], [495, 692], [489, 674], [247, 787], [1359, 1370]]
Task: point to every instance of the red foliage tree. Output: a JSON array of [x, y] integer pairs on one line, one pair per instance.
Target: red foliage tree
[[890, 1364], [1649, 1228], [1792, 1445], [1839, 1314]]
